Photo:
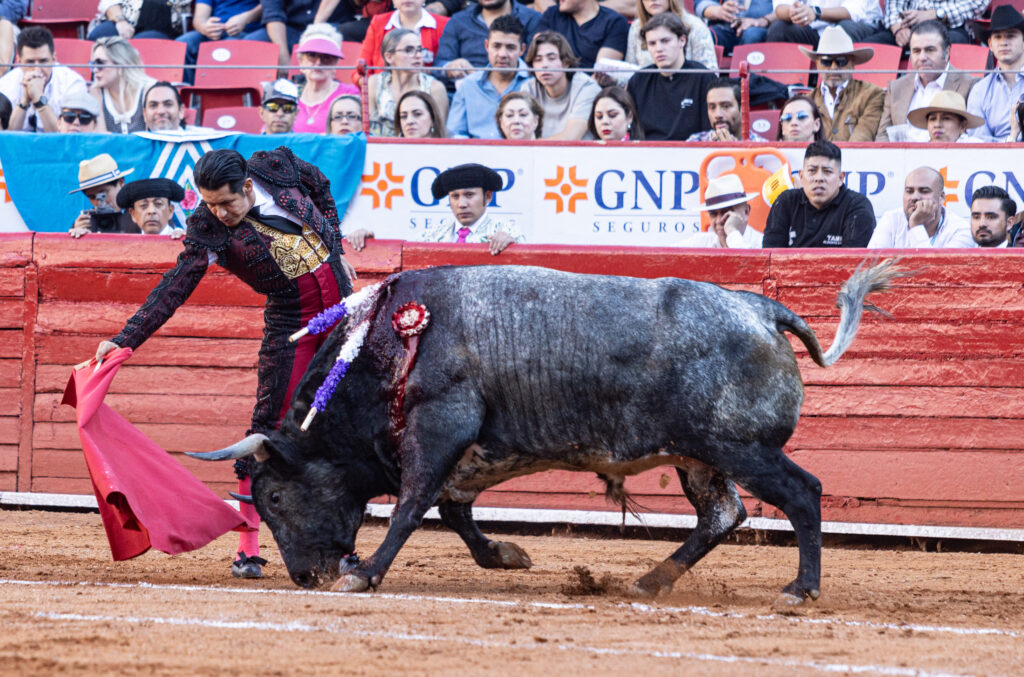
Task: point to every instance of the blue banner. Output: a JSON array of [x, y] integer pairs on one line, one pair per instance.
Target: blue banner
[[40, 169]]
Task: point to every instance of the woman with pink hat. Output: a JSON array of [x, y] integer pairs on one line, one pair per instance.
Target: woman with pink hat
[[320, 45]]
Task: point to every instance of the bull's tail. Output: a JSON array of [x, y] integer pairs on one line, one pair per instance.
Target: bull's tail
[[851, 305]]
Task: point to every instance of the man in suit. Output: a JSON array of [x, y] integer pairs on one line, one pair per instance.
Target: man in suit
[[929, 57], [850, 109]]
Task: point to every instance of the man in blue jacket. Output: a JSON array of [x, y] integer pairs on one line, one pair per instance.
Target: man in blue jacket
[[462, 43]]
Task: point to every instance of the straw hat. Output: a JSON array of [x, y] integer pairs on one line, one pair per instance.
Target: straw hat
[[98, 171], [944, 102], [834, 41], [725, 191]]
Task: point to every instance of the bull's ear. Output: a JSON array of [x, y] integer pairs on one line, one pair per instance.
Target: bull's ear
[[261, 454]]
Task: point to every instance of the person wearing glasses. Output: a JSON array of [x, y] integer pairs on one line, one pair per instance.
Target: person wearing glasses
[[279, 107], [346, 115], [37, 86], [319, 51], [401, 49], [799, 120], [79, 114], [850, 109], [118, 90]]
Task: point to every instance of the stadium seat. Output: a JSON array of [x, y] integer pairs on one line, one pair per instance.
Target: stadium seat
[[351, 57], [234, 119], [766, 57], [74, 51], [64, 18], [765, 123], [886, 58], [723, 64], [973, 58], [162, 52], [219, 87]]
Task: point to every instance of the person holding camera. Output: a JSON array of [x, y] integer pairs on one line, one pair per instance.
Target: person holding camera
[[100, 180]]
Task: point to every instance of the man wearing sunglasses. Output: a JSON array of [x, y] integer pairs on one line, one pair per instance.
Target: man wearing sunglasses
[[78, 114], [279, 107], [38, 87], [850, 109]]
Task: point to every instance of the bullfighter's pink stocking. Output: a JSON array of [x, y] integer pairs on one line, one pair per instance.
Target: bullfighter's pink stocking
[[248, 541]]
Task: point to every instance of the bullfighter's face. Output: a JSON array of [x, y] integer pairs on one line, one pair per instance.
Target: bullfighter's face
[[468, 204], [230, 208]]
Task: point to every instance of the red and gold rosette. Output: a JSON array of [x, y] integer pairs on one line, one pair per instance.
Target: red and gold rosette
[[410, 319]]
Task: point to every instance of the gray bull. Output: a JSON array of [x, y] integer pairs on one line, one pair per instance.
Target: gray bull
[[528, 369]]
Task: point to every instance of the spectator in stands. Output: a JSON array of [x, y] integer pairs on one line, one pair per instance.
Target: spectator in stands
[[118, 90], [700, 44], [850, 109], [285, 20], [408, 14], [11, 12], [723, 101], [150, 203], [823, 212], [728, 206], [218, 20], [279, 106], [923, 222], [903, 16], [478, 95], [995, 95], [566, 97], [799, 120], [946, 119], [804, 21], [352, 17], [100, 180], [416, 117], [733, 24], [929, 57], [592, 30], [162, 108], [1016, 123], [159, 19], [401, 49], [5, 111], [78, 114], [463, 43], [320, 45], [614, 117], [345, 115], [992, 212], [519, 117], [36, 86], [671, 105]]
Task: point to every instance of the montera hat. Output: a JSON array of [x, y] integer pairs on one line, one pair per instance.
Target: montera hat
[[834, 41], [725, 191], [97, 171], [143, 188], [79, 100], [470, 175], [1004, 17], [281, 90], [945, 101]]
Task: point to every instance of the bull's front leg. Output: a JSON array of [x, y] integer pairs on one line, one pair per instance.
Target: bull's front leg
[[487, 553]]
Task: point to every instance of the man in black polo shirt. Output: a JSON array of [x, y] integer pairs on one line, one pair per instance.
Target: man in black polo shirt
[[824, 212], [670, 105]]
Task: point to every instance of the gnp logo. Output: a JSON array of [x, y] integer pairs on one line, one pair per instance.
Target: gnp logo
[[615, 190], [382, 186], [1006, 179], [565, 196]]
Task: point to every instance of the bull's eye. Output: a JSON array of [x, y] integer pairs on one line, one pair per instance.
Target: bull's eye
[[275, 498]]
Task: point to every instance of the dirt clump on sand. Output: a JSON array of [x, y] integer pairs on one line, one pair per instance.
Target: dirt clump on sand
[[582, 583]]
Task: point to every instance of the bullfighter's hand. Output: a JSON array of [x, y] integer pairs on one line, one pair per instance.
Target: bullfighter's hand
[[348, 268], [104, 348], [357, 238], [499, 242]]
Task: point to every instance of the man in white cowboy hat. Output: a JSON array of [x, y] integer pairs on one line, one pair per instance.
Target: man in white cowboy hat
[[850, 109], [995, 95], [100, 180], [923, 222], [728, 207], [804, 21], [946, 119]]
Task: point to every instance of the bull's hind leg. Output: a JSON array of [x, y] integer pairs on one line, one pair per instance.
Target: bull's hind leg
[[719, 511], [489, 554]]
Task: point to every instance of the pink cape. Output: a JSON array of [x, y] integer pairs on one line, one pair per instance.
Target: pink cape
[[146, 498]]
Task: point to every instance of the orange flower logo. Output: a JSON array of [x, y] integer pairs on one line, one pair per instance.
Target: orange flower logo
[[382, 185], [3, 187], [564, 195], [950, 186]]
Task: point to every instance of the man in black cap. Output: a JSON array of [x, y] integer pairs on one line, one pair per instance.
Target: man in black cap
[[996, 94], [150, 203], [469, 189]]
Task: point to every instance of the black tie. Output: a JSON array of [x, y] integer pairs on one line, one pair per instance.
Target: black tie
[[276, 222]]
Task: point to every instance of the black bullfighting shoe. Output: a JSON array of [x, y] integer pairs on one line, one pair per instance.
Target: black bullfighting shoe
[[247, 567]]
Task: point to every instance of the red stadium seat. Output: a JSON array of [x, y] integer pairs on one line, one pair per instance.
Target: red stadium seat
[[973, 58], [350, 50], [73, 50], [720, 56], [766, 57], [64, 18], [886, 58], [234, 119], [218, 87], [162, 52], [765, 123]]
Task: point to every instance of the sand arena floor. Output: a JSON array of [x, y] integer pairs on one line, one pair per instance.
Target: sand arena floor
[[67, 608]]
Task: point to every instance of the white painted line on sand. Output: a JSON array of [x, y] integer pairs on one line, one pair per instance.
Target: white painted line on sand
[[632, 606], [342, 629]]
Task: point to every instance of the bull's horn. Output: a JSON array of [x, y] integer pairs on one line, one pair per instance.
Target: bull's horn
[[250, 446], [240, 497]]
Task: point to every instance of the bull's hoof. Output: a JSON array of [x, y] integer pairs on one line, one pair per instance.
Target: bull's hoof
[[658, 580], [351, 583], [790, 602], [640, 590], [512, 556]]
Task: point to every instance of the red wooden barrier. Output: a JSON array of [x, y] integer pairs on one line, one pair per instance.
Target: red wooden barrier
[[919, 423]]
